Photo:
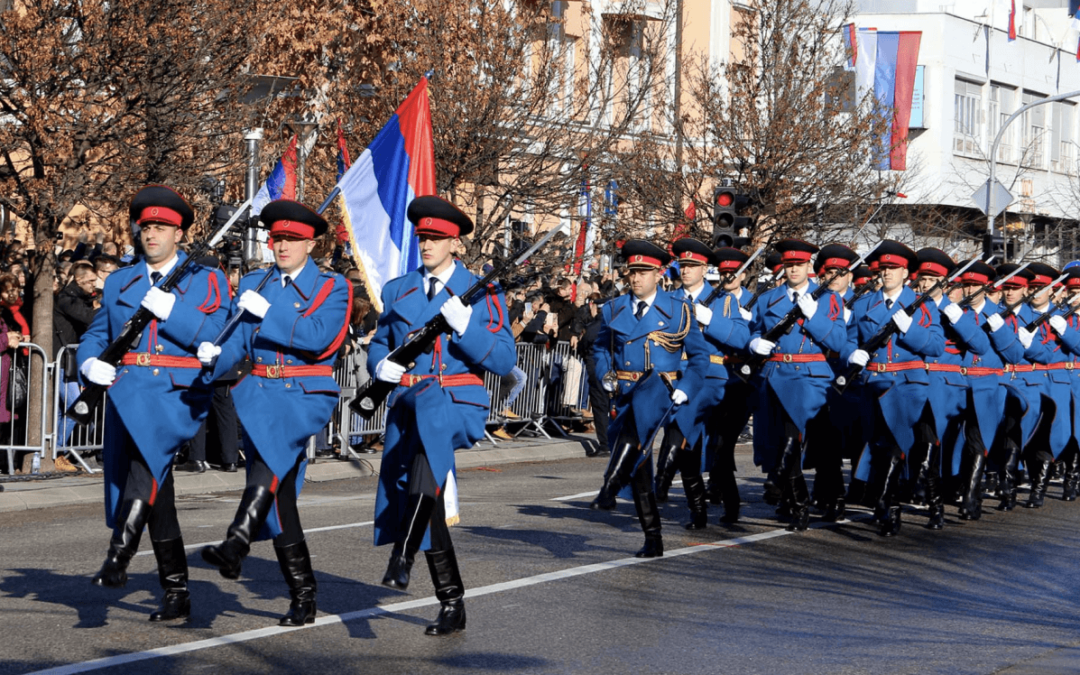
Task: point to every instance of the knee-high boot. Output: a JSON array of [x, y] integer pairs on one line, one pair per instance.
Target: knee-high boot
[[1007, 478], [1071, 485], [450, 591], [1039, 469], [124, 544], [619, 472], [971, 509], [890, 526], [694, 486], [934, 502], [667, 465], [250, 515], [295, 563], [729, 495], [418, 515], [649, 517], [794, 484], [173, 575]]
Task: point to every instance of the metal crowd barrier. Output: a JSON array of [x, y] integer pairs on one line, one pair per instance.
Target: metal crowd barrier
[[16, 424], [72, 438]]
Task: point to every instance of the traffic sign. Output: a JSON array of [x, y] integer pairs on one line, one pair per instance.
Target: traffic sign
[[1002, 198]]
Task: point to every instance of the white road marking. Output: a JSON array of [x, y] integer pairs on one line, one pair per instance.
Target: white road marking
[[306, 531], [326, 620], [569, 498]]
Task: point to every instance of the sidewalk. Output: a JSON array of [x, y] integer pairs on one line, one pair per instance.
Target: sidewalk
[[87, 488]]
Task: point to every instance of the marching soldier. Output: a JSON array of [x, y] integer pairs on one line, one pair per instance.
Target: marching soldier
[[724, 329], [896, 381], [291, 330], [792, 385], [440, 406], [1066, 327], [640, 348], [155, 402]]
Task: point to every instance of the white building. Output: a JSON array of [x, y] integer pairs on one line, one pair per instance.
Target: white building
[[970, 87]]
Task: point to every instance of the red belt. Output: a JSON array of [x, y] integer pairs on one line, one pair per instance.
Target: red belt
[[1019, 368], [147, 359], [943, 368], [979, 371], [278, 372], [797, 358], [895, 367], [1064, 365], [461, 380]]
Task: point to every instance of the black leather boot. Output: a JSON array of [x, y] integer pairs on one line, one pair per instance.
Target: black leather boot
[[935, 504], [1007, 477], [1071, 481], [417, 517], [667, 465], [890, 502], [1040, 477], [694, 486], [771, 491], [618, 474], [729, 496], [971, 508], [836, 511], [124, 544], [449, 590], [173, 575], [229, 555], [295, 563], [649, 517], [800, 504]]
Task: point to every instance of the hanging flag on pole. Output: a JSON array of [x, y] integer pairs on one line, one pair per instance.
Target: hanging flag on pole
[[376, 190], [851, 46], [894, 70], [1012, 20], [343, 164], [582, 246], [280, 184]]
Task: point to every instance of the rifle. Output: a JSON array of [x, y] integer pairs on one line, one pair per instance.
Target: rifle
[[730, 277], [1034, 325], [762, 287], [81, 409], [784, 325], [227, 329], [866, 288], [969, 300], [885, 333], [375, 391]]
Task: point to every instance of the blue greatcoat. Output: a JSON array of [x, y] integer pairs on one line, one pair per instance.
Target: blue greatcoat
[[1057, 380], [726, 334], [988, 392], [901, 395], [949, 389], [1070, 344], [304, 326], [800, 387], [160, 407], [1033, 385], [438, 420]]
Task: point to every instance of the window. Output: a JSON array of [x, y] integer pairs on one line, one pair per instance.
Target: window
[[966, 118], [1062, 151], [1002, 106], [1032, 129]]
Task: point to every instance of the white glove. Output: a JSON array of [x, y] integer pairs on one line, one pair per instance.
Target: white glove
[[1058, 323], [98, 372], [952, 313], [703, 314], [1025, 336], [159, 302], [609, 387], [902, 321], [859, 358], [762, 347], [995, 322], [207, 352], [807, 305], [252, 302], [457, 314], [678, 397], [388, 371], [745, 314]]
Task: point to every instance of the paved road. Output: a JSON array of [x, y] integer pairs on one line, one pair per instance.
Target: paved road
[[552, 588]]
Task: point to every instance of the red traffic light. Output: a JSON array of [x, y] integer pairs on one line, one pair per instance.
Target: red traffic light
[[725, 198]]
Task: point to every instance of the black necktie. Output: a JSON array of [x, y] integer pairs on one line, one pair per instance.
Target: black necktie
[[154, 278], [641, 307], [888, 304], [431, 287], [794, 297], [288, 280]]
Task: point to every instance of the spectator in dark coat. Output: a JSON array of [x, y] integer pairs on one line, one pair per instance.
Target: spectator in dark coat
[[586, 328], [74, 307]]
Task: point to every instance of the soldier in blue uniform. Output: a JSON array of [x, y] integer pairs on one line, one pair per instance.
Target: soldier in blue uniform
[[641, 343], [833, 434], [155, 402], [441, 405], [1066, 326], [694, 426], [895, 380], [291, 331], [792, 385]]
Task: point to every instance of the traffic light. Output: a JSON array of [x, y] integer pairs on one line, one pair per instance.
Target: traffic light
[[994, 245], [728, 205]]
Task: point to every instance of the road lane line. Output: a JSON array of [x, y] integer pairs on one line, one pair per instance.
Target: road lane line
[[579, 495], [327, 620], [306, 531]]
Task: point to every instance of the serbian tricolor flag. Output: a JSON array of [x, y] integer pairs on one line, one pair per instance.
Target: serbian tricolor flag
[[1074, 13], [894, 86], [343, 164], [280, 184], [1012, 20], [851, 46], [376, 190], [583, 245]]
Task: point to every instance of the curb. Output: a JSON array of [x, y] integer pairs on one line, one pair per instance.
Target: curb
[[91, 491]]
